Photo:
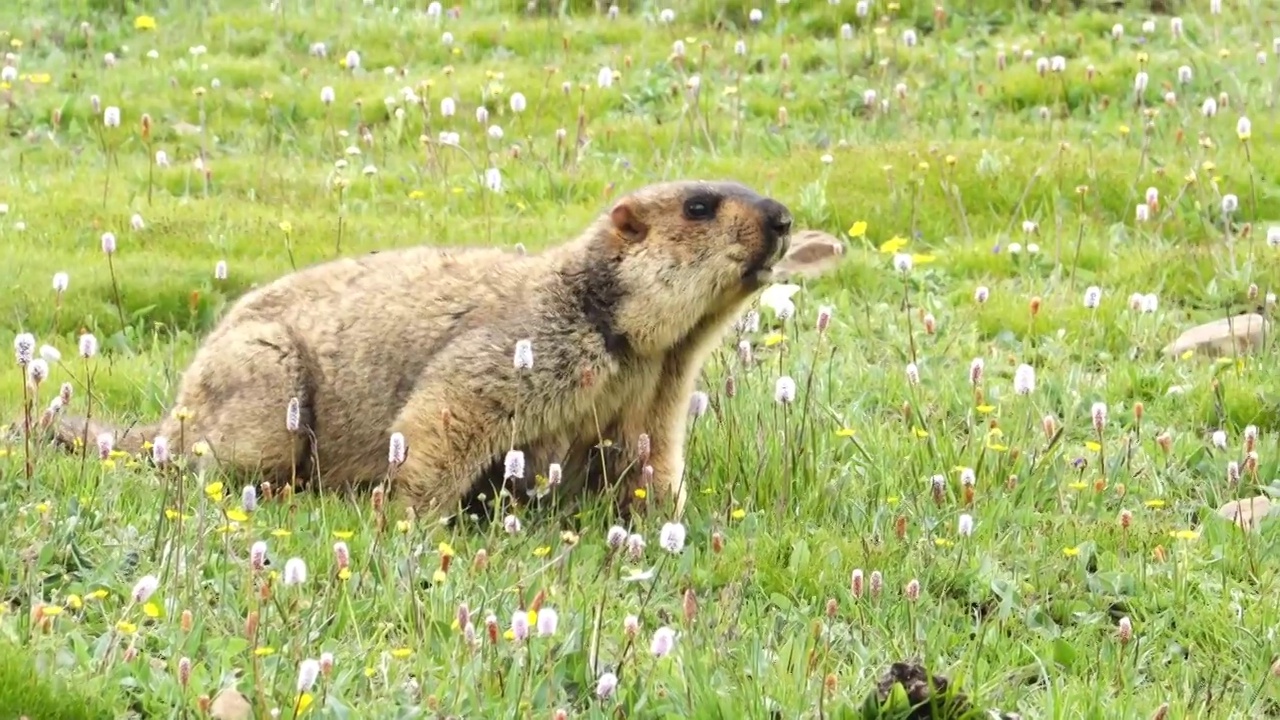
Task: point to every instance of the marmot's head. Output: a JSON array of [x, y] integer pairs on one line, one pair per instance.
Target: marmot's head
[[681, 252]]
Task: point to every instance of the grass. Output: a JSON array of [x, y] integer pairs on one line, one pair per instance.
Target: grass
[[1078, 530]]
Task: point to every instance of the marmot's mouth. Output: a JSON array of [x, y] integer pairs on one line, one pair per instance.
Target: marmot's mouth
[[760, 270]]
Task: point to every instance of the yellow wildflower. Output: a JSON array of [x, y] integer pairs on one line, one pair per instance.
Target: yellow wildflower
[[893, 244]]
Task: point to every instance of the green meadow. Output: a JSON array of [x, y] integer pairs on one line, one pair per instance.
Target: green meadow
[[962, 452]]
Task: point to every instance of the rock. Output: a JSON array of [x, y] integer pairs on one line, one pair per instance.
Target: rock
[[813, 253], [1222, 338], [229, 704], [1248, 513]]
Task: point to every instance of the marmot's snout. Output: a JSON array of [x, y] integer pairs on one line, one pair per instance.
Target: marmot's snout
[[775, 219]]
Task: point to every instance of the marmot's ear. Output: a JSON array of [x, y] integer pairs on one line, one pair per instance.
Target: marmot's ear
[[626, 223]]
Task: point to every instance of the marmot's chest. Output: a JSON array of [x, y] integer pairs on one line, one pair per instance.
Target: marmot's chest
[[634, 383]]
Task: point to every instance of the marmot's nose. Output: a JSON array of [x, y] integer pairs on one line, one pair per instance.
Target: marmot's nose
[[776, 216]]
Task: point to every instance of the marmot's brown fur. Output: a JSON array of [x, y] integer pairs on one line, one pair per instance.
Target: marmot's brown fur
[[421, 341]]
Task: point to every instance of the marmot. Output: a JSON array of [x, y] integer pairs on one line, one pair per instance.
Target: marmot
[[423, 341]]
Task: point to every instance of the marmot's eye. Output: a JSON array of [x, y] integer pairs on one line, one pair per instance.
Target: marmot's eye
[[698, 209]]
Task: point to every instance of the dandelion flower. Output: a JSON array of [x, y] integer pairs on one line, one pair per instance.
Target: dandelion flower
[[964, 526], [396, 449], [1024, 380], [664, 639], [258, 555], [912, 590], [145, 587], [698, 403], [513, 465], [308, 671], [520, 625], [38, 371], [106, 441], [616, 536], [1099, 415], [635, 546], [608, 682], [295, 571], [160, 450], [548, 620], [672, 536], [1092, 297], [293, 416], [784, 391], [24, 347]]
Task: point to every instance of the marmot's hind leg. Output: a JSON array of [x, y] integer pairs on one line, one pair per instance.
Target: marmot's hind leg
[[238, 391]]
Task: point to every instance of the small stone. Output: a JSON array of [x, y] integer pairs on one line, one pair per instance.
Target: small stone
[[1248, 513], [183, 127], [813, 253], [1241, 334], [229, 704]]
